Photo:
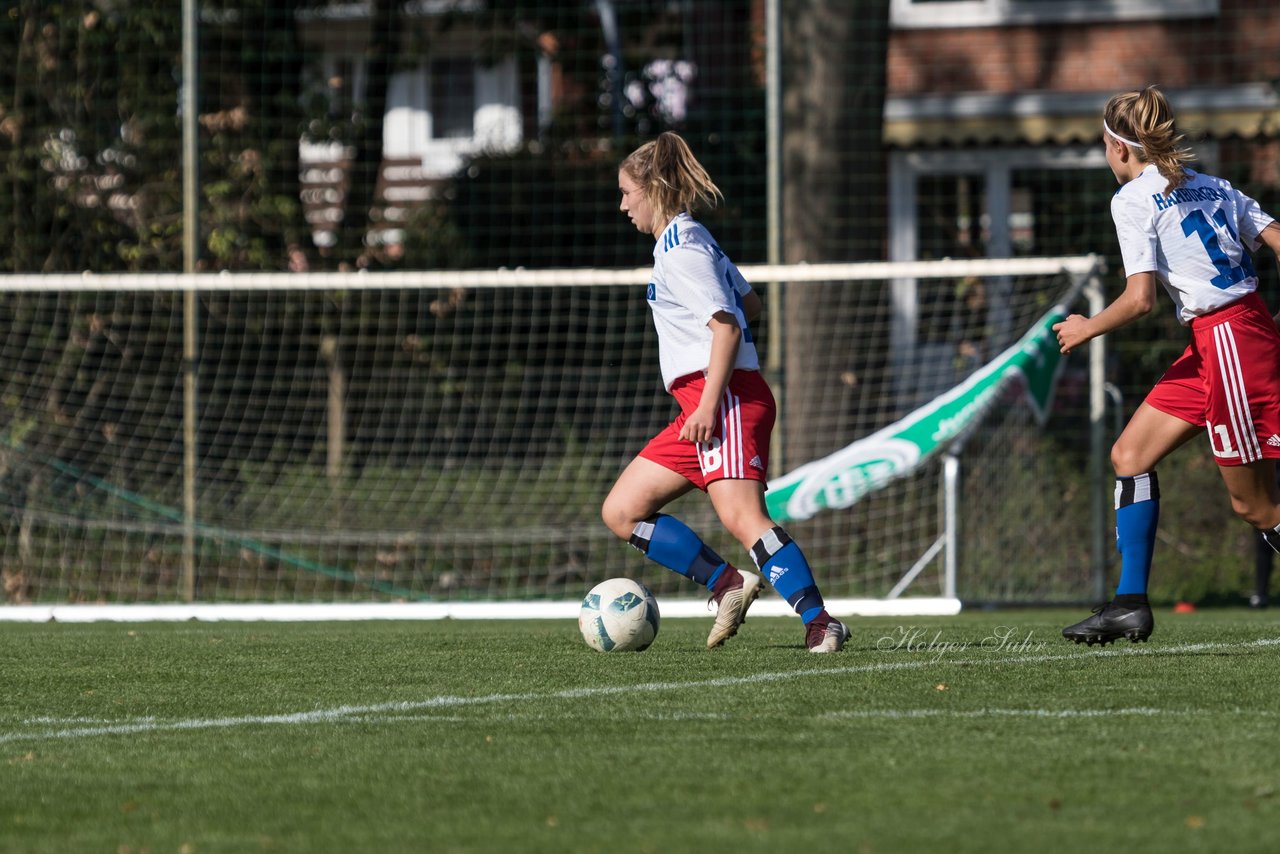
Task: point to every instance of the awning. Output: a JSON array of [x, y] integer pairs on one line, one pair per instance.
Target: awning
[[1063, 118]]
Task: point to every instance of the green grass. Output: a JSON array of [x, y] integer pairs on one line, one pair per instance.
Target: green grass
[[462, 736]]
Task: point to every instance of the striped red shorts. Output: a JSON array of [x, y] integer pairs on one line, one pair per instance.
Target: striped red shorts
[[1228, 381], [740, 446]]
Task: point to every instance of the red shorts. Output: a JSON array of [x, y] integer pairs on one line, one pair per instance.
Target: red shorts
[[740, 446], [1228, 381]]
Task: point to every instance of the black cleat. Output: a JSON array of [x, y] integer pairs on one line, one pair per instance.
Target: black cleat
[[1111, 622]]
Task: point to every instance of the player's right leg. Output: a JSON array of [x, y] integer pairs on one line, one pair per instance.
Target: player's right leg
[[1148, 438], [631, 512], [741, 507], [1263, 562], [1263, 559], [1255, 498]]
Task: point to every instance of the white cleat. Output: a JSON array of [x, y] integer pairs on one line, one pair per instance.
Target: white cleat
[[830, 638], [731, 610]]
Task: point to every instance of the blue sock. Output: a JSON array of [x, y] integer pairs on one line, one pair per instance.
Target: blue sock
[[780, 560], [668, 541], [1137, 513]]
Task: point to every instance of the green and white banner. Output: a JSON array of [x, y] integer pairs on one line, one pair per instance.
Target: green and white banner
[[871, 463]]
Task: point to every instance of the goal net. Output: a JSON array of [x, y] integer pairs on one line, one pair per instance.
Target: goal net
[[447, 437]]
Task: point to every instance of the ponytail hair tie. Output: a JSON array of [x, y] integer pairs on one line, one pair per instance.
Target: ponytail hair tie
[[1128, 142]]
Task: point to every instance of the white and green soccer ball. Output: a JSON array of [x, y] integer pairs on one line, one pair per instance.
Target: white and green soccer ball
[[619, 615]]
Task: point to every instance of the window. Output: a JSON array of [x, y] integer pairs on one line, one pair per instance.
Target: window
[[344, 83], [447, 109], [999, 203], [453, 99], [986, 13], [988, 203]]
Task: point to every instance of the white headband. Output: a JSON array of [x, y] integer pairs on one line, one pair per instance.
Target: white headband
[[1108, 129]]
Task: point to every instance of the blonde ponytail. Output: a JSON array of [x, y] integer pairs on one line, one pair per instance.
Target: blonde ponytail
[[672, 178], [1145, 117]]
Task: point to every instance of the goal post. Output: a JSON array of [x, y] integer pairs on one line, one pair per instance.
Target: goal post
[[437, 443]]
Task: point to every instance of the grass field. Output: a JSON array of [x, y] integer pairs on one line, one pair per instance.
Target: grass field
[[984, 732]]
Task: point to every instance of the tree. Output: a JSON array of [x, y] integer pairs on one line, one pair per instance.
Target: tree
[[834, 61], [381, 53], [250, 114], [91, 167]]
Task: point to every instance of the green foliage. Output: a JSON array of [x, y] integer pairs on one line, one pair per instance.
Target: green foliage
[[83, 179], [95, 126]]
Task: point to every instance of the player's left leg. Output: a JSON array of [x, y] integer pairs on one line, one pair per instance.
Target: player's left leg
[[1148, 438], [741, 507], [631, 512]]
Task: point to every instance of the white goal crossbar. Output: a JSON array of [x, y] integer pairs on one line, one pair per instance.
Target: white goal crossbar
[[504, 278]]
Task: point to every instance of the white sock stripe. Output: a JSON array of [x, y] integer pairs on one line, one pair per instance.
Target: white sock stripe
[[1137, 488], [771, 542], [1237, 397], [1141, 487]]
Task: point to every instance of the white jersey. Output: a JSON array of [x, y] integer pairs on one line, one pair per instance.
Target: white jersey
[[1196, 240], [692, 281]]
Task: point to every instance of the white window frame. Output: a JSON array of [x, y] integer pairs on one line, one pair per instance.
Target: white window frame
[[996, 166], [497, 124], [934, 14]]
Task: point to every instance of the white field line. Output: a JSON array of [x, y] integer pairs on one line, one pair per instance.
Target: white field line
[[382, 711], [906, 714]]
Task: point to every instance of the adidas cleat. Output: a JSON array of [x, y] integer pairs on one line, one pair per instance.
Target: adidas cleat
[[828, 637], [731, 607], [1111, 622]]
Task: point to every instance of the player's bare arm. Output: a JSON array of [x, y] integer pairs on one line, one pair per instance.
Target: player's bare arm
[[726, 334], [1271, 237], [1137, 299], [752, 305]]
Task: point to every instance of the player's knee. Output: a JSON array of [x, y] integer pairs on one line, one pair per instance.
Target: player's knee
[[1126, 460], [744, 524], [611, 517], [1260, 515], [618, 517]]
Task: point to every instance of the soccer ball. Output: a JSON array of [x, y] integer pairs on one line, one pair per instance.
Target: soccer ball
[[619, 615]]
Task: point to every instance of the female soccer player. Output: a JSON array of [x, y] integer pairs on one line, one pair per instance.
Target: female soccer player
[[1191, 233], [719, 442]]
